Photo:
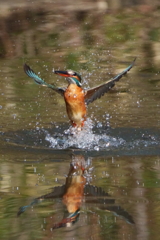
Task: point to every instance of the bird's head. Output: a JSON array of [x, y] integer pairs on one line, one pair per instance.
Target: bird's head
[[72, 77]]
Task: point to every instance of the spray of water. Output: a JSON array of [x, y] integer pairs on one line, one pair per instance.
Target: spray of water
[[85, 139]]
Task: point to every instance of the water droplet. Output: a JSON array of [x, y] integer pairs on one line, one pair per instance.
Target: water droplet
[[96, 148]]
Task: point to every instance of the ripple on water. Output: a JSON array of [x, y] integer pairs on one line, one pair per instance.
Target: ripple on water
[[93, 138]]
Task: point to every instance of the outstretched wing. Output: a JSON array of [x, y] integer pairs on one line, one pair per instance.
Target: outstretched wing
[[40, 81], [96, 195], [97, 92], [57, 192]]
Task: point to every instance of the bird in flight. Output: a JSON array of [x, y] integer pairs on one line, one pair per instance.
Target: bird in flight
[[76, 98]]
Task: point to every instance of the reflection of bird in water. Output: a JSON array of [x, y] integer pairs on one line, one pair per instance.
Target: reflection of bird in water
[[76, 98], [76, 192]]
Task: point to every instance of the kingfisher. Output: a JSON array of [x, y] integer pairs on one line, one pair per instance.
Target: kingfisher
[[77, 192], [76, 98]]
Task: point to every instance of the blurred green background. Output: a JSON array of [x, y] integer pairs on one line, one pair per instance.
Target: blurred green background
[[66, 31]]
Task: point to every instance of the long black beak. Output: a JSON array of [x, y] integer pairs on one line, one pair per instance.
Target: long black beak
[[62, 73]]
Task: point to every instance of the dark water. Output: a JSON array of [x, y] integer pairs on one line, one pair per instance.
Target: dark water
[[120, 144]]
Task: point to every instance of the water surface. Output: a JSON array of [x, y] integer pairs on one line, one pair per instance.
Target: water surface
[[121, 142]]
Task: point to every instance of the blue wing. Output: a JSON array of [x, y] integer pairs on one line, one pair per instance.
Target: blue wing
[[39, 80]]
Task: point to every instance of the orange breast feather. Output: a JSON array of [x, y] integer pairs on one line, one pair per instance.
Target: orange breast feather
[[75, 104]]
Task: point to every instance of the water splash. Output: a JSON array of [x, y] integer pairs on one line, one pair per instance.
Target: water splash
[[85, 139], [93, 138]]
